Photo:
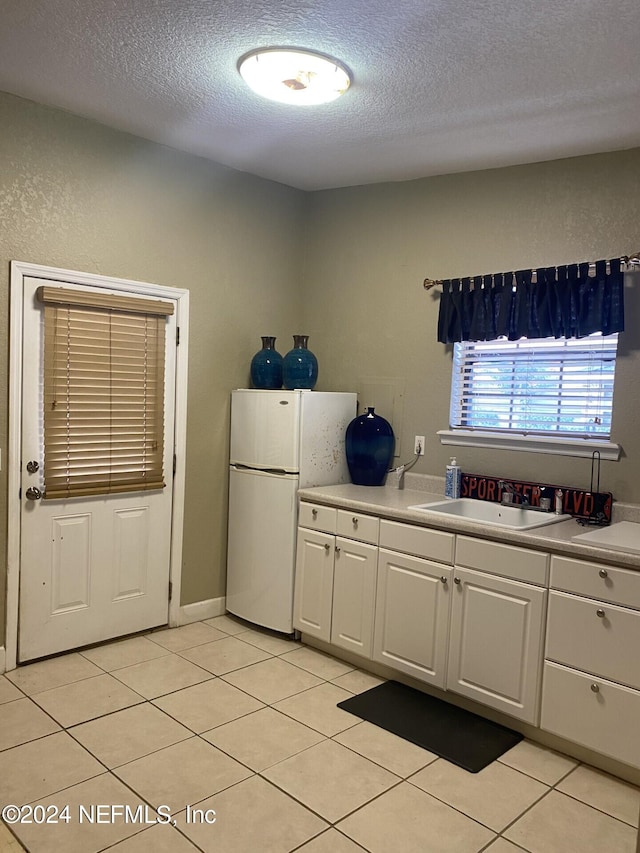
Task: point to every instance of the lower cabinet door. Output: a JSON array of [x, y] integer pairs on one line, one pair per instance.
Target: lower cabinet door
[[412, 616], [354, 594], [591, 711], [495, 649], [313, 588]]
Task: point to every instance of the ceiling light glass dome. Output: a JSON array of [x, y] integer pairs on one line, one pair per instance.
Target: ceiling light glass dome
[[294, 76]]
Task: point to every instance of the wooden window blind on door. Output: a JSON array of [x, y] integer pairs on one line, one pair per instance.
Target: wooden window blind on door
[[104, 363]]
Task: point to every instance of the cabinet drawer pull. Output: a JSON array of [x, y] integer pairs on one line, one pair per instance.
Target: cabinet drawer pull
[[314, 513], [355, 520], [595, 688], [327, 547], [600, 613], [603, 573], [443, 578], [456, 580]]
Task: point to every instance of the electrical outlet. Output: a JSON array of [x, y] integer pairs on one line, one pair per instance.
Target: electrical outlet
[[418, 447]]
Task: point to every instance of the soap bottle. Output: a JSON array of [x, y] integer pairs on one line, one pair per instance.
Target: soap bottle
[[452, 479]]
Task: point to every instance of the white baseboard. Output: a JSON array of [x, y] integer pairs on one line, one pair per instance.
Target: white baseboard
[[3, 660], [202, 610]]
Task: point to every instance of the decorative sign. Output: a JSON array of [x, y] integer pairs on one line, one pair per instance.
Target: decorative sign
[[593, 507]]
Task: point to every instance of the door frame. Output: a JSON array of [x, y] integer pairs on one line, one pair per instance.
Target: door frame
[[20, 270]]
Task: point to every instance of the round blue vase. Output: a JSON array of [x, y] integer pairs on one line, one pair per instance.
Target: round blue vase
[[369, 445], [266, 366], [299, 366]]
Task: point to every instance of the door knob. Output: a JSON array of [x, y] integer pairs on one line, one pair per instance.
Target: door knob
[[33, 494]]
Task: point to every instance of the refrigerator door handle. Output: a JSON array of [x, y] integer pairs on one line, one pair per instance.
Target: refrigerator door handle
[[278, 471]]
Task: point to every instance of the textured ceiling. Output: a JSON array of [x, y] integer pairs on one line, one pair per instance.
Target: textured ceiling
[[439, 85]]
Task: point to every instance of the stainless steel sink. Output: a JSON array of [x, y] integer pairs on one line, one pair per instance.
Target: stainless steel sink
[[497, 515]]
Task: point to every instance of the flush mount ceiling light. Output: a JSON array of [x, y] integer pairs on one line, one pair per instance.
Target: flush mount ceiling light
[[294, 76]]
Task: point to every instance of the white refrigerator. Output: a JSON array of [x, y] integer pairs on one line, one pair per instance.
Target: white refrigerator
[[280, 441]]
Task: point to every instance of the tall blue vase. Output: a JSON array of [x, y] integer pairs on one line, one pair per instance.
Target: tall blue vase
[[299, 366], [266, 366], [369, 445]]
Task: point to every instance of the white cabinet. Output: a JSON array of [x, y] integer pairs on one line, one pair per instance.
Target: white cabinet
[[591, 690], [412, 600], [476, 629], [313, 589], [498, 614], [468, 615], [495, 648], [508, 561], [594, 712], [412, 616], [335, 585], [354, 592]]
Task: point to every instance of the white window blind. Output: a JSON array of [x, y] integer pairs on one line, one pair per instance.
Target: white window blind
[[538, 387], [104, 362]]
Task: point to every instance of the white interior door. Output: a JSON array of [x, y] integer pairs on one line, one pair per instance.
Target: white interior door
[[91, 568]]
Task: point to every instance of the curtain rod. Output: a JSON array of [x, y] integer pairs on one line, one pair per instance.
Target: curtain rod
[[631, 261]]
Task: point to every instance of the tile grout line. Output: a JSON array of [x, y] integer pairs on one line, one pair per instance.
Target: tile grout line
[[323, 680]]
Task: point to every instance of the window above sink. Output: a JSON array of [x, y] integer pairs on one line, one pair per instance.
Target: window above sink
[[545, 396]]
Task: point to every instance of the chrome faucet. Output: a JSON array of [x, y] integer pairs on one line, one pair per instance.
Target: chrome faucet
[[510, 496]]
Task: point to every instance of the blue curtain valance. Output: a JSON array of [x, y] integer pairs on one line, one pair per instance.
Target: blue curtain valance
[[564, 302]]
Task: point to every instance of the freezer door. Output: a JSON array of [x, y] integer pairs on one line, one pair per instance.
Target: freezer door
[[261, 547], [265, 429], [324, 418]]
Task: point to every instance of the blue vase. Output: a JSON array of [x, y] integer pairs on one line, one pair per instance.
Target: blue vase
[[299, 366], [266, 366], [369, 445]]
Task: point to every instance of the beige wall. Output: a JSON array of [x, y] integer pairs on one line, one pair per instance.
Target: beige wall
[[76, 195], [369, 249]]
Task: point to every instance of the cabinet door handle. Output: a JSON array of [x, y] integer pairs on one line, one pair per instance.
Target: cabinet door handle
[[337, 550], [603, 573], [443, 578], [456, 580], [600, 613], [314, 513], [327, 547], [595, 688], [355, 520]]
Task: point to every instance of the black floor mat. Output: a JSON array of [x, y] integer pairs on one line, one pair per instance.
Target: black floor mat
[[461, 737]]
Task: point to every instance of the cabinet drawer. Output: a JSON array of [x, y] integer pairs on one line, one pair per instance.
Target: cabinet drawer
[[317, 517], [619, 586], [421, 541], [507, 561], [592, 712], [354, 525], [594, 636]]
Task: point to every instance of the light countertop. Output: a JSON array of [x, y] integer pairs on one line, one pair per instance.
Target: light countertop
[[391, 503]]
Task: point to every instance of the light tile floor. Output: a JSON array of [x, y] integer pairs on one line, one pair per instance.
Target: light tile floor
[[242, 725]]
